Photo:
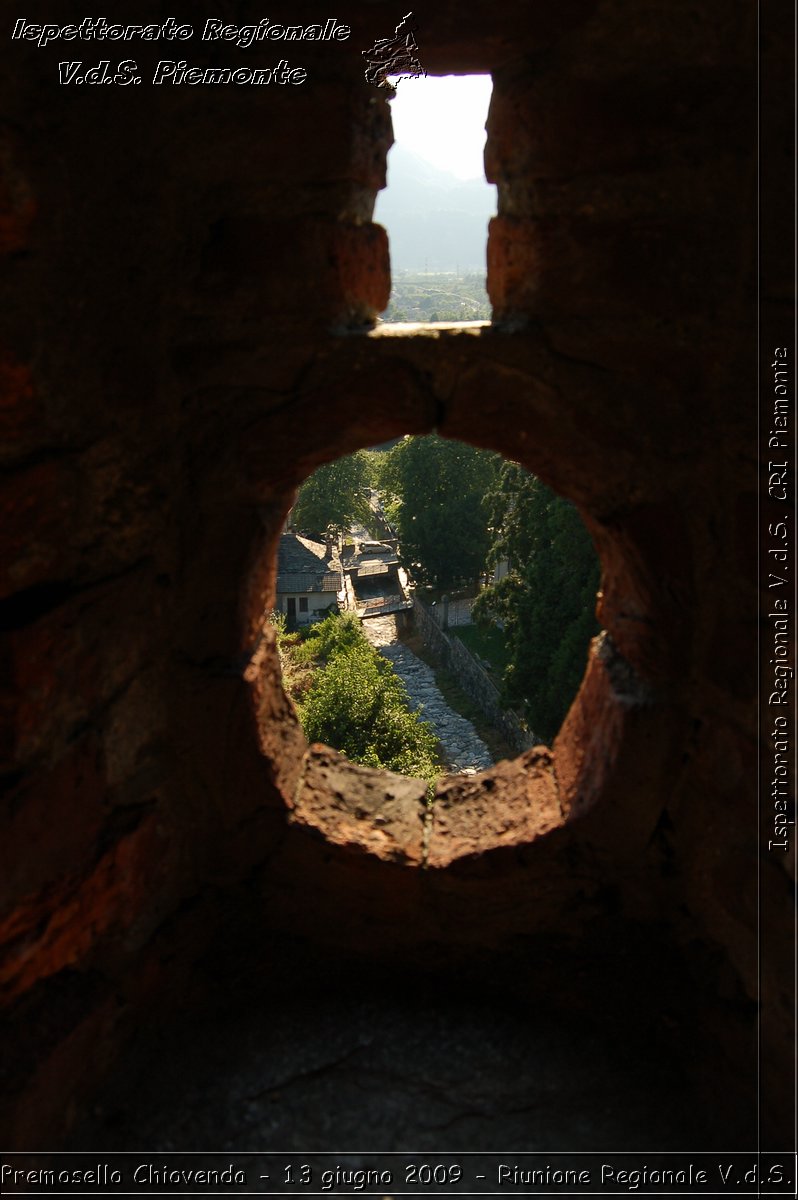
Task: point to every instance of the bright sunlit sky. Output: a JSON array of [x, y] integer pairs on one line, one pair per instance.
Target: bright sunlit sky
[[442, 118]]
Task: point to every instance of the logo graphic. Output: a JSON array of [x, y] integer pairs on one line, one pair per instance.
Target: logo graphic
[[397, 55]]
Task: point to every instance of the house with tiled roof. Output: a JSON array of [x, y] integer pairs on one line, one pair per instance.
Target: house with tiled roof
[[309, 579]]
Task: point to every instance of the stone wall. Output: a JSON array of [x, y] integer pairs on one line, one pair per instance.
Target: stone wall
[[473, 679], [190, 281]]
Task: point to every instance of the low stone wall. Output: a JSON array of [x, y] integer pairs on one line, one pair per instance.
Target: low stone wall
[[457, 612], [473, 679]]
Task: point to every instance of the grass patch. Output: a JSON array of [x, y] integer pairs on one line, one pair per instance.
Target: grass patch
[[488, 643]]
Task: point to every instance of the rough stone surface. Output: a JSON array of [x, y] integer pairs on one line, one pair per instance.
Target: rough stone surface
[[187, 283], [374, 811], [414, 1071], [493, 811]]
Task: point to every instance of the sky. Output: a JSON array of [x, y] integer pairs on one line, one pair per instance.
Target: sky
[[442, 119]]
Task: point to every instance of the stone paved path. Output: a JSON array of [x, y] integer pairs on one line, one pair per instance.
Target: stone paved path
[[464, 750]]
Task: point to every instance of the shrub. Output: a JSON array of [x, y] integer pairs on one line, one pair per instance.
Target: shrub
[[357, 705]]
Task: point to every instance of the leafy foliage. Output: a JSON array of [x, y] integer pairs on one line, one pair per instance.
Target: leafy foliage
[[356, 704], [334, 496], [434, 490], [296, 672], [546, 603]]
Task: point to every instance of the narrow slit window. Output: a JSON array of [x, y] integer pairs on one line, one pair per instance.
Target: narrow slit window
[[437, 204]]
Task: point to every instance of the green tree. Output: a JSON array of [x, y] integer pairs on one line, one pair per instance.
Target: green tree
[[357, 705], [434, 489], [335, 496], [546, 603]]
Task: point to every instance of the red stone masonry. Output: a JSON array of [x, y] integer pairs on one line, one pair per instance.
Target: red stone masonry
[[186, 332]]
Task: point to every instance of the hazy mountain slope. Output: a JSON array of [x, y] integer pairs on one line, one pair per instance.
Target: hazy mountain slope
[[435, 221]]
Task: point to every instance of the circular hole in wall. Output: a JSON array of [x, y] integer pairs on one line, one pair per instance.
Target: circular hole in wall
[[434, 607]]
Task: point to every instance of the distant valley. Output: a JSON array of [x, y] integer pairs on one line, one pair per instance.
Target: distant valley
[[435, 221], [438, 296]]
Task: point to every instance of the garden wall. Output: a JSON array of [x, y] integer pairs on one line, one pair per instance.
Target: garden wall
[[473, 679]]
